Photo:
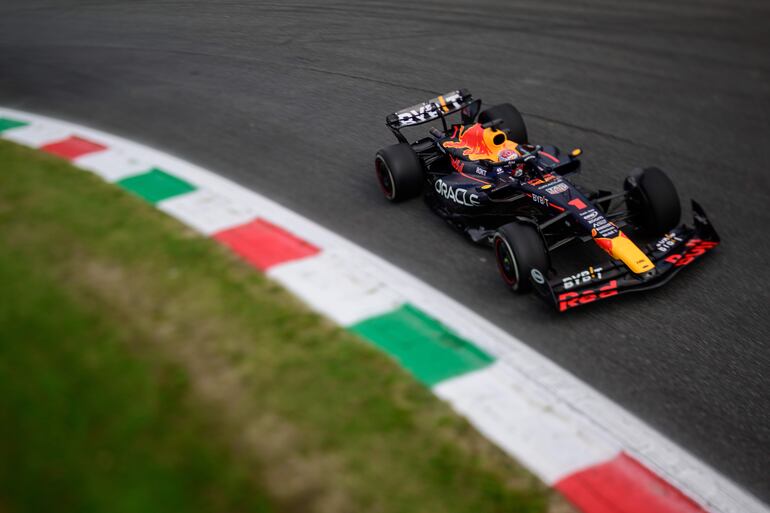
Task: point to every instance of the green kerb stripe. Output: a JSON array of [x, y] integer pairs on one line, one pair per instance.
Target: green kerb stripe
[[428, 349], [156, 185], [7, 124]]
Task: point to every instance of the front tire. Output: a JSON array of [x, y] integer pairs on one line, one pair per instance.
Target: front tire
[[512, 121], [520, 253], [653, 197], [399, 172]]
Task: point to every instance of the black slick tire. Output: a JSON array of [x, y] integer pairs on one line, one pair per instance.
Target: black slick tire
[[652, 195], [399, 172], [513, 123], [520, 254]]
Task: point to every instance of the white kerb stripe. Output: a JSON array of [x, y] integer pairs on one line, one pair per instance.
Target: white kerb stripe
[[36, 134], [540, 433], [208, 212], [113, 164], [340, 285]]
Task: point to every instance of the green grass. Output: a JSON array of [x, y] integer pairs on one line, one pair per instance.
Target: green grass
[[144, 368], [86, 426]]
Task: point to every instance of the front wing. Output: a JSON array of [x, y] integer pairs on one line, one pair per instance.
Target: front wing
[[672, 253]]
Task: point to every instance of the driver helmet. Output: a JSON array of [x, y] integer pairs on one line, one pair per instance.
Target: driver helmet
[[507, 154]]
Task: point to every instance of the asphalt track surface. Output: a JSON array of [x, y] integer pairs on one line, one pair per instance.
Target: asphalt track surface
[[289, 98]]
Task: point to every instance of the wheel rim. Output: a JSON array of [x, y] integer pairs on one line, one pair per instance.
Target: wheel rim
[[506, 263], [385, 179]]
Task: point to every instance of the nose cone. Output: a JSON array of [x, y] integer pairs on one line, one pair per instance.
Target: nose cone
[[622, 248]]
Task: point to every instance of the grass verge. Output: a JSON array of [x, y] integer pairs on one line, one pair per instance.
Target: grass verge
[[144, 368]]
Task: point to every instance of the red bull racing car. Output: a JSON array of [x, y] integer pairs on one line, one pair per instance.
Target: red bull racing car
[[483, 176]]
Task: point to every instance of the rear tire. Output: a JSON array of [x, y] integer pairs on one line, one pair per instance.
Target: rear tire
[[520, 254], [512, 121], [653, 196], [399, 172]]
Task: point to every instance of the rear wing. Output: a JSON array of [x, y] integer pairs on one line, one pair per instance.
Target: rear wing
[[433, 109]]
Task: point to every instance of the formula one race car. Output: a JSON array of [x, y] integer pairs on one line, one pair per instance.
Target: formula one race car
[[484, 177]]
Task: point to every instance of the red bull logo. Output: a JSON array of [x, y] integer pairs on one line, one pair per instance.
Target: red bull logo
[[457, 164], [695, 248], [481, 143], [472, 139], [569, 300]]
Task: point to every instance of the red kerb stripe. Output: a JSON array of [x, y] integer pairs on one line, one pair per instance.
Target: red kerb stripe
[[264, 245], [72, 147], [623, 485]]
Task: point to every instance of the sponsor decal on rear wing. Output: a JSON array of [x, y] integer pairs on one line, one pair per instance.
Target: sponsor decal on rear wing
[[429, 110]]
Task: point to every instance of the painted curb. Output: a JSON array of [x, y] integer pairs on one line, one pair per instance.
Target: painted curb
[[602, 458]]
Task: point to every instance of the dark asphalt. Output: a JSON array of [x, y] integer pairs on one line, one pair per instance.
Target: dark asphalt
[[289, 98]]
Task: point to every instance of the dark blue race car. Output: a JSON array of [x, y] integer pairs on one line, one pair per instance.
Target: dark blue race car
[[483, 176]]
